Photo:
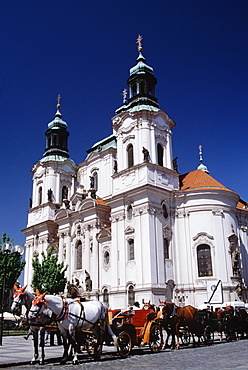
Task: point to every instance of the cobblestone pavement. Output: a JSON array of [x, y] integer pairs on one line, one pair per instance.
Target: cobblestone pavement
[[218, 356]]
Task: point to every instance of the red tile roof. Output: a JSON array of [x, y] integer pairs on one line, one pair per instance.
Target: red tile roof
[[101, 202], [198, 179]]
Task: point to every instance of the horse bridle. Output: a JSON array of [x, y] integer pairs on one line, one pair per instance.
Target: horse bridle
[[20, 295]]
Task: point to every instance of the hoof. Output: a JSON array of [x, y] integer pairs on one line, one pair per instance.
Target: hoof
[[63, 361], [42, 362], [75, 362]]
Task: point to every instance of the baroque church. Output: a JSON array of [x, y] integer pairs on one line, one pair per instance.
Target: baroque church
[[127, 224]]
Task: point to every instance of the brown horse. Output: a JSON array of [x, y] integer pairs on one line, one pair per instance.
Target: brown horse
[[175, 317]]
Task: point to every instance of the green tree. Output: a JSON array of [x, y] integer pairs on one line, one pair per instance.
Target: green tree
[[11, 265], [49, 275]]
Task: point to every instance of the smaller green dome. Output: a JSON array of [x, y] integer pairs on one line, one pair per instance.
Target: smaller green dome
[[57, 122]]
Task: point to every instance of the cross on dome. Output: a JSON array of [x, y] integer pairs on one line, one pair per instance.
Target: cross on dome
[[58, 100], [139, 39]]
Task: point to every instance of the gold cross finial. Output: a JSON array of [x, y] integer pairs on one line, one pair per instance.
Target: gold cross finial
[[58, 99], [139, 39]]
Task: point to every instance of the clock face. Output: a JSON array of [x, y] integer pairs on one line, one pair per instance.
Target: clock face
[[213, 287]]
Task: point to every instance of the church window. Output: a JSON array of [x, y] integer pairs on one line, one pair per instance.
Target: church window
[[204, 260], [40, 195], [106, 296], [131, 295], [160, 153], [79, 258], [64, 192], [129, 212], [95, 176], [131, 249], [166, 248], [130, 155]]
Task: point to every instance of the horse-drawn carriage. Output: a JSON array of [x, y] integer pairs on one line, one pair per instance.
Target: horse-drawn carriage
[[136, 328]]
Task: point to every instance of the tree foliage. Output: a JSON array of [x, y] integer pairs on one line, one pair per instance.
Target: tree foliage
[[48, 274], [11, 265]]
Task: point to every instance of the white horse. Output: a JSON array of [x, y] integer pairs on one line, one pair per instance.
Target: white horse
[[21, 297], [73, 315]]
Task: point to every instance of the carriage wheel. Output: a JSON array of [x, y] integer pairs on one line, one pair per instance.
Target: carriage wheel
[[185, 336], [156, 338], [124, 344], [208, 335]]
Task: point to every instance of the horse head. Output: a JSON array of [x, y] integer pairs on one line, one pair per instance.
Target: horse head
[[148, 305], [167, 309], [18, 298], [38, 305]]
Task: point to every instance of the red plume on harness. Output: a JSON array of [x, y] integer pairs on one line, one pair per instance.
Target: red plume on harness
[[39, 298], [19, 290]]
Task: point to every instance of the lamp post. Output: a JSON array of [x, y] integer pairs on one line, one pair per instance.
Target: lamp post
[[8, 248]]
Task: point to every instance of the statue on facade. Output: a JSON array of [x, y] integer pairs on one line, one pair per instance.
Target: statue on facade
[[175, 165], [92, 182], [49, 195], [146, 154], [88, 282], [235, 263], [65, 192]]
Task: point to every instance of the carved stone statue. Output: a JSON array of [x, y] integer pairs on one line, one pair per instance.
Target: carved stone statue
[[92, 182], [88, 282], [235, 263], [175, 166], [146, 154], [49, 195]]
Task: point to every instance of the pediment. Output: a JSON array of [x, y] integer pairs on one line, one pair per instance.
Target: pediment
[[88, 203], [129, 230], [202, 235], [104, 235], [62, 213]]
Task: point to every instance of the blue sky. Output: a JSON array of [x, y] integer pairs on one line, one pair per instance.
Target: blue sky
[[83, 50]]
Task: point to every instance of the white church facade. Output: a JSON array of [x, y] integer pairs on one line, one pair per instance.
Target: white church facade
[[127, 224]]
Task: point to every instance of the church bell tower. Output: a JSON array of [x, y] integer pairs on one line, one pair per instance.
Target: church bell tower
[[54, 178]]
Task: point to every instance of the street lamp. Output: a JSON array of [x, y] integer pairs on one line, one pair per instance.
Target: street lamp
[[7, 247]]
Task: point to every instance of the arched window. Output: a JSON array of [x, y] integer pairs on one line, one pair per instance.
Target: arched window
[[106, 296], [64, 192], [131, 249], [130, 155], [79, 258], [204, 260], [95, 176], [160, 153], [40, 195], [131, 295], [129, 212]]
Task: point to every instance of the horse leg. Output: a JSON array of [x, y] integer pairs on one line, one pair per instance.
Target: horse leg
[[42, 345], [97, 330], [36, 346], [65, 341], [178, 335], [72, 334]]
